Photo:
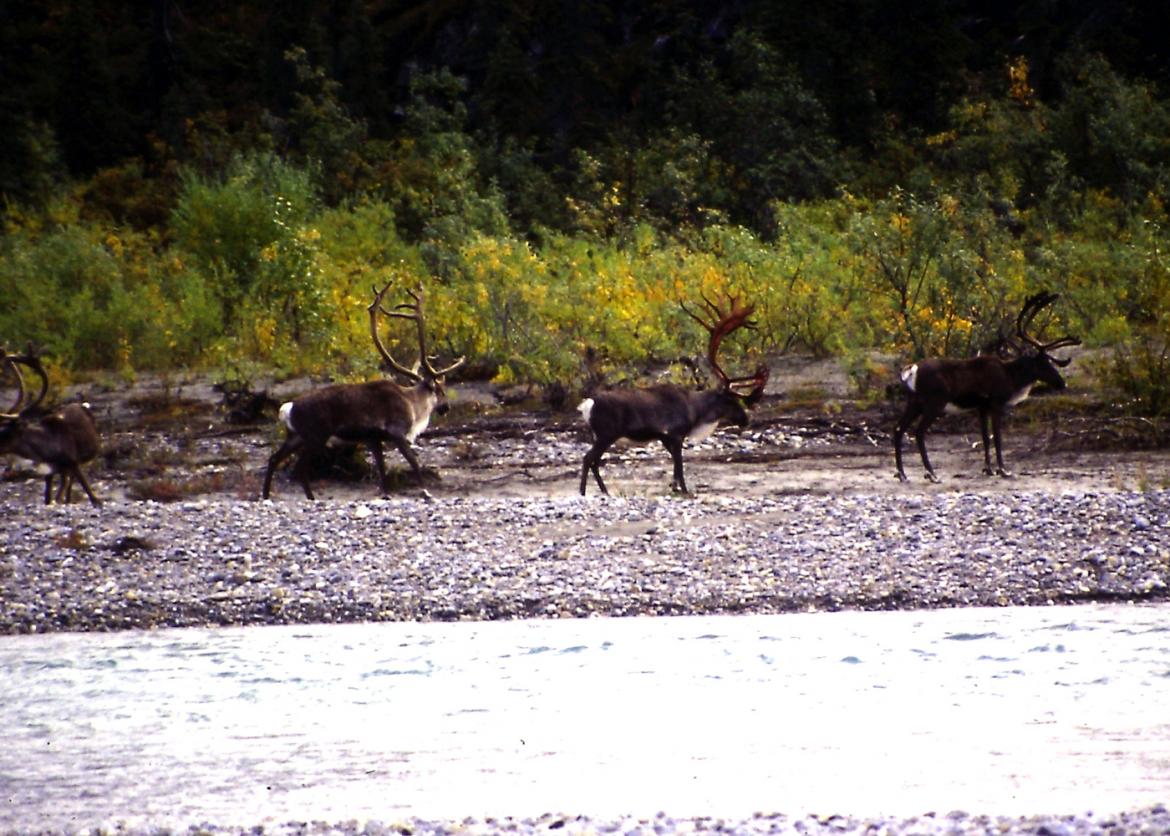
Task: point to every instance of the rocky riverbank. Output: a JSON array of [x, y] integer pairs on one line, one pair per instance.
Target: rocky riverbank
[[217, 562], [1154, 821]]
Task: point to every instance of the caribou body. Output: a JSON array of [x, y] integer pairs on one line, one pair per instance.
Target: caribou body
[[672, 414], [371, 413], [61, 440], [987, 384]]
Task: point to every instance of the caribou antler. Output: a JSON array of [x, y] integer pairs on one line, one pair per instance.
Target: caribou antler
[[754, 383], [1032, 306], [412, 310], [31, 360], [723, 323], [14, 411]]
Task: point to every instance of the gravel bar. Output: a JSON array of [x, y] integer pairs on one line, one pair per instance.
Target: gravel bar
[[1153, 821], [133, 565]]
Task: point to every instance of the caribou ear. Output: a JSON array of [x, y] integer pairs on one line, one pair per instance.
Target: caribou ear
[[1062, 363], [753, 397]]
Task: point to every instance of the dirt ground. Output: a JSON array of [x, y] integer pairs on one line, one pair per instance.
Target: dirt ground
[[170, 439]]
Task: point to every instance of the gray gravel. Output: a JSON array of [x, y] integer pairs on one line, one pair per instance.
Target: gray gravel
[[209, 562], [1154, 821]]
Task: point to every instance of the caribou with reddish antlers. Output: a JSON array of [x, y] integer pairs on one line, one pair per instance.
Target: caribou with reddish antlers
[[988, 384], [670, 413], [368, 413], [63, 439]]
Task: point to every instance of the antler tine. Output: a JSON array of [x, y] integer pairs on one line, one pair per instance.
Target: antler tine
[[413, 310], [32, 360], [718, 316], [706, 325], [423, 355], [723, 323], [415, 306], [10, 362], [446, 371], [758, 379], [374, 309], [1063, 342], [1032, 306], [751, 387]]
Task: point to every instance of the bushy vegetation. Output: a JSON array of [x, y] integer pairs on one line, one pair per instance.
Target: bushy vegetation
[[253, 239]]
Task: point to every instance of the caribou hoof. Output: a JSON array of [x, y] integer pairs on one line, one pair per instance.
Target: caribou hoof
[[1006, 474], [930, 477]]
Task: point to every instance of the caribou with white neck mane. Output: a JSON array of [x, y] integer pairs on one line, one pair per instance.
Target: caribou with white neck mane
[[670, 413], [368, 413], [987, 384]]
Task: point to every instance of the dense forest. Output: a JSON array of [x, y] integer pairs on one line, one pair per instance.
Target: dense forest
[[218, 185]]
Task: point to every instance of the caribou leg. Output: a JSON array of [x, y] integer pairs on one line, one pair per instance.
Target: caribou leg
[[65, 489], [678, 484], [301, 470], [291, 444], [912, 411], [997, 434], [929, 416], [592, 462], [984, 418], [77, 475], [407, 453], [380, 460]]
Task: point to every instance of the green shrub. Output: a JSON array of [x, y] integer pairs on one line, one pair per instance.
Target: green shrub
[[1140, 370], [242, 230]]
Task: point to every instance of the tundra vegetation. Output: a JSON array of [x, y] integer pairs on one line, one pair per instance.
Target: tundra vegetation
[[218, 191]]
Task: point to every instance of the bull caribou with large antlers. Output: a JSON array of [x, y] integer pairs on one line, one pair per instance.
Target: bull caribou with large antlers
[[670, 413], [987, 384], [62, 439], [368, 413]]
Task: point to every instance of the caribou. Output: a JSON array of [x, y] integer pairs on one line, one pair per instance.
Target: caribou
[[367, 413], [986, 383], [62, 439], [669, 413]]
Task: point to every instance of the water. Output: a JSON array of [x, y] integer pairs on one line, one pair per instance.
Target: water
[[996, 710]]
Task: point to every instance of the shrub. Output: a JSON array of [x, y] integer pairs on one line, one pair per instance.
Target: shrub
[[1140, 370], [233, 228], [70, 292]]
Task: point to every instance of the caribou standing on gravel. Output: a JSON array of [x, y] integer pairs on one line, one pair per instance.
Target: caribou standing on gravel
[[987, 384], [62, 439], [367, 413], [670, 413]]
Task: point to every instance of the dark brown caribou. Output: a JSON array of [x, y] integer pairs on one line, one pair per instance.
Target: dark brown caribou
[[62, 439], [368, 413], [988, 384], [672, 414]]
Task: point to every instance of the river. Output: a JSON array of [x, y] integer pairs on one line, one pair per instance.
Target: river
[[1005, 711]]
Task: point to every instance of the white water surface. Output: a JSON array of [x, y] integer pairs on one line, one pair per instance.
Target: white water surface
[[1003, 711]]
